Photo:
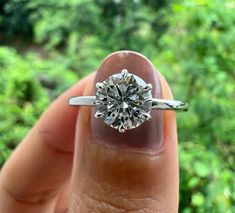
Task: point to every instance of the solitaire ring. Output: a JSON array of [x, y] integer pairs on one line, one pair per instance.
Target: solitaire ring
[[124, 101]]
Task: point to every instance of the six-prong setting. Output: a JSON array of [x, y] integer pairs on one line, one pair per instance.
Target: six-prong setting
[[123, 101]]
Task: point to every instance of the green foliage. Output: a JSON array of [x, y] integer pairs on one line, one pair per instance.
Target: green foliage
[[14, 19], [54, 43], [27, 86], [206, 183], [198, 49], [200, 53], [61, 22]]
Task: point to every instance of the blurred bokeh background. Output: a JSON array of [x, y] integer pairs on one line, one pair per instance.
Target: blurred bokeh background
[[46, 46]]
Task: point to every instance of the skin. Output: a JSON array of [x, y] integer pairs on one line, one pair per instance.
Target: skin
[[51, 172]]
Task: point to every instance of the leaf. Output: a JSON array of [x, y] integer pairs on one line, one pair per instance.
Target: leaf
[[198, 199], [201, 169]]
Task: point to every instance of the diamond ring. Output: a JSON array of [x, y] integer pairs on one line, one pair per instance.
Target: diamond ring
[[124, 101]]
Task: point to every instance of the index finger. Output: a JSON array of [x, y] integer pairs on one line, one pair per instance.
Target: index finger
[[32, 177]]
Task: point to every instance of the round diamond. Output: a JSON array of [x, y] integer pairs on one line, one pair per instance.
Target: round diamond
[[123, 101]]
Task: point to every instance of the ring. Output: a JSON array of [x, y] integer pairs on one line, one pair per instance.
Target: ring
[[124, 101]]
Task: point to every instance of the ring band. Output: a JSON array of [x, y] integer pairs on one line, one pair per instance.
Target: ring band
[[159, 104], [124, 101]]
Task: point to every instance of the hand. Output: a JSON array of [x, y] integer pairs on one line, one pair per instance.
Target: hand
[[70, 161]]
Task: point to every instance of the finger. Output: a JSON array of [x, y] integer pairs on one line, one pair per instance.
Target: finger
[[41, 164], [136, 171], [63, 199]]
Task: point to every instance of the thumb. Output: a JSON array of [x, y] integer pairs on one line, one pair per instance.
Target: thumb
[[135, 171]]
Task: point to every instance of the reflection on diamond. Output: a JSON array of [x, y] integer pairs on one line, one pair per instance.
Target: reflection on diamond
[[123, 101]]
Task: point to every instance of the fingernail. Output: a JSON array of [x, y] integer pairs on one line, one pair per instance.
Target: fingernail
[[147, 136]]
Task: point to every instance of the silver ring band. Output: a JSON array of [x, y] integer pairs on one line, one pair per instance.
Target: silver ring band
[[159, 104], [124, 101]]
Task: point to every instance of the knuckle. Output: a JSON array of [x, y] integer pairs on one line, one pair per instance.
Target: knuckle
[[32, 198], [106, 199]]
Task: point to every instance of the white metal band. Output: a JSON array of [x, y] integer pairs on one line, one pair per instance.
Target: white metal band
[[159, 104]]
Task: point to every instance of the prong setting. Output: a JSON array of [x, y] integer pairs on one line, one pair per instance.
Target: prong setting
[[148, 87], [123, 101], [147, 116], [121, 129], [100, 86], [98, 114], [124, 72]]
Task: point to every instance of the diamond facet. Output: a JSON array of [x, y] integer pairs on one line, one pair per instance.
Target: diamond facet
[[123, 101]]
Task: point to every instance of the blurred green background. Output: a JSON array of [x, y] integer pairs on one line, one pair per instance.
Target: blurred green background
[[46, 46]]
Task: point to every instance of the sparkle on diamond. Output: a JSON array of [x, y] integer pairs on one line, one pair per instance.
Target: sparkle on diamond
[[123, 101]]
